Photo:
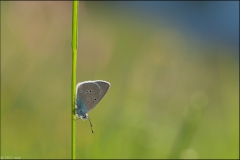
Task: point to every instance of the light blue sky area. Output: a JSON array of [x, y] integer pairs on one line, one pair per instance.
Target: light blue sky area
[[216, 21]]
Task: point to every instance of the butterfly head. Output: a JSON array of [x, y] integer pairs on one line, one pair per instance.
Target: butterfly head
[[84, 117]]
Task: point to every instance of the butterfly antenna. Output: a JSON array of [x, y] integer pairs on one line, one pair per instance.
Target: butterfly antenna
[[90, 124]]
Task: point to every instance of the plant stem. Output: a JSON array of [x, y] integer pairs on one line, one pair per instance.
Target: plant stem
[[74, 69]]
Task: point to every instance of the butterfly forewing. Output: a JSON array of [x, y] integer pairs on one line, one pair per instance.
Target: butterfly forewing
[[104, 86], [90, 93]]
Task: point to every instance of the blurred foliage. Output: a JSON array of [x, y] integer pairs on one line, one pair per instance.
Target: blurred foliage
[[171, 95]]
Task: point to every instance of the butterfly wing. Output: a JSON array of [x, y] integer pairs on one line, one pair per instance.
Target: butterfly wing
[[103, 86], [89, 93]]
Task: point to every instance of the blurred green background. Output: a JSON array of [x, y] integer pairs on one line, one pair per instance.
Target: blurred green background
[[174, 94]]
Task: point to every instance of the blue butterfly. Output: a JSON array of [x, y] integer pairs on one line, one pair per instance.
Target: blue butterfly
[[88, 95]]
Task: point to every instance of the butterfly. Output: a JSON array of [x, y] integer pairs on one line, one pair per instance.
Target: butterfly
[[88, 95]]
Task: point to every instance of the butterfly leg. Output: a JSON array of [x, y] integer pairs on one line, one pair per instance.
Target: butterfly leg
[[77, 117]]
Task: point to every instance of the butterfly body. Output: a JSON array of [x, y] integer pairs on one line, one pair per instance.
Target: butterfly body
[[88, 95]]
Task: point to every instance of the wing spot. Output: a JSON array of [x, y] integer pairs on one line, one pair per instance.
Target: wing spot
[[94, 98]]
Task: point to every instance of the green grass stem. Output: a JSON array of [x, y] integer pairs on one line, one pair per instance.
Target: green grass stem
[[74, 71]]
